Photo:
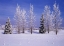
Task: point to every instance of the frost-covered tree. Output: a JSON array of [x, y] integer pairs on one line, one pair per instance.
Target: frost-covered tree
[[17, 18], [47, 15], [31, 18], [23, 19], [42, 28], [51, 19], [20, 18], [8, 27], [57, 18]]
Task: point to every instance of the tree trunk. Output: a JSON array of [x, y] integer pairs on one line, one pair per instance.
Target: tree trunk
[[48, 31], [56, 28], [48, 28], [31, 30], [18, 30], [23, 29], [56, 31]]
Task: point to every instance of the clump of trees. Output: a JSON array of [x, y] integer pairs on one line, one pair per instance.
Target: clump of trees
[[20, 18], [52, 19]]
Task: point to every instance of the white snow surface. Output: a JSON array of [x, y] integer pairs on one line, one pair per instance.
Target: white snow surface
[[34, 39]]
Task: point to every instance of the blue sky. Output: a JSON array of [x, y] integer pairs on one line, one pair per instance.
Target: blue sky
[[8, 7]]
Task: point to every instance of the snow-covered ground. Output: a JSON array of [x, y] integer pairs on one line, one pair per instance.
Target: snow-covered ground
[[34, 39]]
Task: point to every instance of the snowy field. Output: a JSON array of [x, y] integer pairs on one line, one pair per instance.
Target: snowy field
[[34, 39]]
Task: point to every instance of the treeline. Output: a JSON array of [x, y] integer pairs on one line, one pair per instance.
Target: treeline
[[49, 21]]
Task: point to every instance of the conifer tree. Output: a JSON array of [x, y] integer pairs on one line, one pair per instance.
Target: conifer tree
[[41, 28], [7, 27]]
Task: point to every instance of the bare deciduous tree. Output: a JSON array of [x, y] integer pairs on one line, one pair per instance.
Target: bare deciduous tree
[[31, 18], [23, 19], [20, 19], [47, 15], [17, 18], [57, 18]]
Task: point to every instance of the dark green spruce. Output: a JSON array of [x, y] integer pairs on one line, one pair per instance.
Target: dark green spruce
[[41, 28], [7, 27]]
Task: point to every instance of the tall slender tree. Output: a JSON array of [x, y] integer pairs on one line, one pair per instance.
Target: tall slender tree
[[47, 14], [51, 21], [57, 18], [17, 18], [23, 19], [31, 18], [20, 18]]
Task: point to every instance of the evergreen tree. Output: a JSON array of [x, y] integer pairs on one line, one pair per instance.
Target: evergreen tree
[[41, 28], [7, 27]]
